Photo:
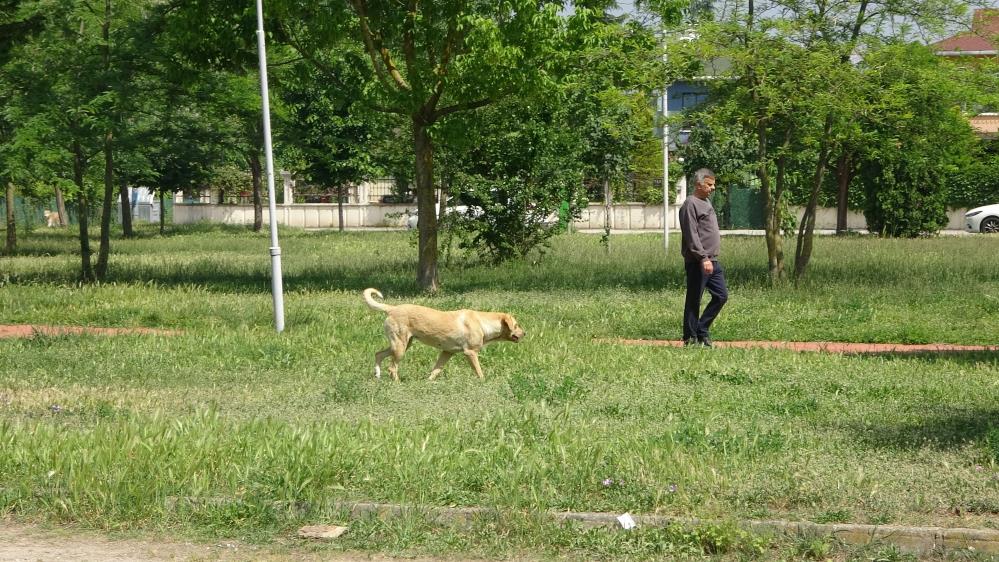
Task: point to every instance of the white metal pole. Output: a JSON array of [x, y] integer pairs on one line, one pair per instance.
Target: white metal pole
[[666, 213], [275, 249]]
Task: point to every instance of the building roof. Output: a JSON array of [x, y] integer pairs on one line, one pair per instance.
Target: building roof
[[981, 40]]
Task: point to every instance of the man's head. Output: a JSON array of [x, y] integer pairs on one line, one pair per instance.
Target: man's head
[[704, 183]]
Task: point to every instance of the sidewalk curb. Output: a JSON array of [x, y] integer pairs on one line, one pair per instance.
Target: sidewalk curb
[[916, 540], [913, 540]]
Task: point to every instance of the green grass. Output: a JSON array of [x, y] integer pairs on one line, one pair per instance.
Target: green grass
[[108, 432]]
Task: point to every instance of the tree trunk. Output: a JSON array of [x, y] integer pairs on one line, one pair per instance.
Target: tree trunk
[[162, 212], [126, 208], [608, 209], [775, 233], [339, 207], [426, 274], [844, 175], [61, 207], [104, 249], [806, 230], [11, 245], [258, 210], [771, 222], [79, 162]]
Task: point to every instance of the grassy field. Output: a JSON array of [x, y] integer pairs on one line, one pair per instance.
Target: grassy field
[[108, 432]]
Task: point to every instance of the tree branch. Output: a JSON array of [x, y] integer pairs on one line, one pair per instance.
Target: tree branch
[[376, 51], [462, 107]]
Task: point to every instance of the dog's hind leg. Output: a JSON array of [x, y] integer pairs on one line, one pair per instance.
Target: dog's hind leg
[[398, 350], [379, 357], [441, 360]]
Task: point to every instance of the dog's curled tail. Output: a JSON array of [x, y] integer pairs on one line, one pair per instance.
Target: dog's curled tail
[[368, 298]]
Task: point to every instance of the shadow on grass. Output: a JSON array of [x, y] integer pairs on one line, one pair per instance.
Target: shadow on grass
[[940, 428], [962, 357], [388, 262]]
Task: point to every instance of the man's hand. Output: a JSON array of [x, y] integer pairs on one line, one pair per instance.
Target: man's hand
[[708, 267]]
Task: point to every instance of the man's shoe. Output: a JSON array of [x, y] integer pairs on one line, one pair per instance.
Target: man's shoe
[[691, 342], [706, 341]]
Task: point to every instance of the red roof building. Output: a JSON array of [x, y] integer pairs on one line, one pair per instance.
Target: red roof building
[[981, 41]]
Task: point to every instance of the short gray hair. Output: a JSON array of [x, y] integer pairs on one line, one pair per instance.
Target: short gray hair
[[702, 174]]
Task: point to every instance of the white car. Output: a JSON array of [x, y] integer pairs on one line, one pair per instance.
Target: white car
[[983, 219], [413, 220]]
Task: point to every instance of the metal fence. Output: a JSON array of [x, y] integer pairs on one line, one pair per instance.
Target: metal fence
[[29, 213]]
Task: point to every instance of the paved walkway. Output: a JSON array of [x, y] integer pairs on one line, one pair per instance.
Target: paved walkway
[[828, 347]]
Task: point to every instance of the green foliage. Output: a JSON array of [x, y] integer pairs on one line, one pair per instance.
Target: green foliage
[[906, 166], [904, 199], [992, 445], [974, 185], [513, 167], [327, 125], [230, 179], [612, 70]]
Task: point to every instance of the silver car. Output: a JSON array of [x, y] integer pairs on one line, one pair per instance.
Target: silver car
[[983, 219]]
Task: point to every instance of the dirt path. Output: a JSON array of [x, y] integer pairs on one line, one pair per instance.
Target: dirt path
[[32, 330], [28, 543]]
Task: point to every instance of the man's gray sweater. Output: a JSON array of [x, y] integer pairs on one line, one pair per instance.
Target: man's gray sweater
[[700, 238]]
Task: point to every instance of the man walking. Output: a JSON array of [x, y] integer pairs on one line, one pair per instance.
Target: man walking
[[700, 245]]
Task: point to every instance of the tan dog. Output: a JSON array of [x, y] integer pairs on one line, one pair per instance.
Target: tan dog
[[51, 219], [456, 331]]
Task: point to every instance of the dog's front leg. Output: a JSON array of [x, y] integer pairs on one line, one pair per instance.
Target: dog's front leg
[[473, 360], [439, 366]]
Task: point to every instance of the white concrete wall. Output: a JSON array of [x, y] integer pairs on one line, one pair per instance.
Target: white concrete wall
[[624, 216], [825, 218], [305, 215]]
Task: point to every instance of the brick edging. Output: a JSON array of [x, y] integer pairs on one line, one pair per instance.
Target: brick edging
[[918, 540]]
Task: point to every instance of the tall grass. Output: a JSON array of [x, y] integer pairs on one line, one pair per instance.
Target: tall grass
[[246, 423]]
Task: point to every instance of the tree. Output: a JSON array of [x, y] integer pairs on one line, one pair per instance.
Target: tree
[[614, 66], [330, 130], [428, 60], [62, 102], [15, 26], [920, 138], [514, 168], [803, 116], [217, 39]]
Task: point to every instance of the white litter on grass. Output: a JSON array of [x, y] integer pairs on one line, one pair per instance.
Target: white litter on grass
[[626, 521]]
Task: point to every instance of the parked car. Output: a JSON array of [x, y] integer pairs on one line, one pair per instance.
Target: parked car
[[983, 219], [412, 220]]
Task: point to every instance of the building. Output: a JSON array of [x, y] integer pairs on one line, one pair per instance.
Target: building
[[980, 42]]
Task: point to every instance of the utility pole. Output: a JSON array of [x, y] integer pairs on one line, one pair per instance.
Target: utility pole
[[275, 250]]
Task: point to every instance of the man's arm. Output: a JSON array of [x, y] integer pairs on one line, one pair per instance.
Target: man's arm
[[689, 227]]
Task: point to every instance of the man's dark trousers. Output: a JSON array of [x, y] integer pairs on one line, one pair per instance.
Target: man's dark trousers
[[694, 323]]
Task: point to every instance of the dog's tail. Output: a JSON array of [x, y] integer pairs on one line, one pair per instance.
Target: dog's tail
[[368, 298]]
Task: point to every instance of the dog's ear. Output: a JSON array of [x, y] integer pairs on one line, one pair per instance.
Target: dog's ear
[[509, 322]]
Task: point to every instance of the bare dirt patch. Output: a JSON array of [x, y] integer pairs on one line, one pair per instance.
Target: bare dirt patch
[[28, 543], [32, 330], [828, 347]]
